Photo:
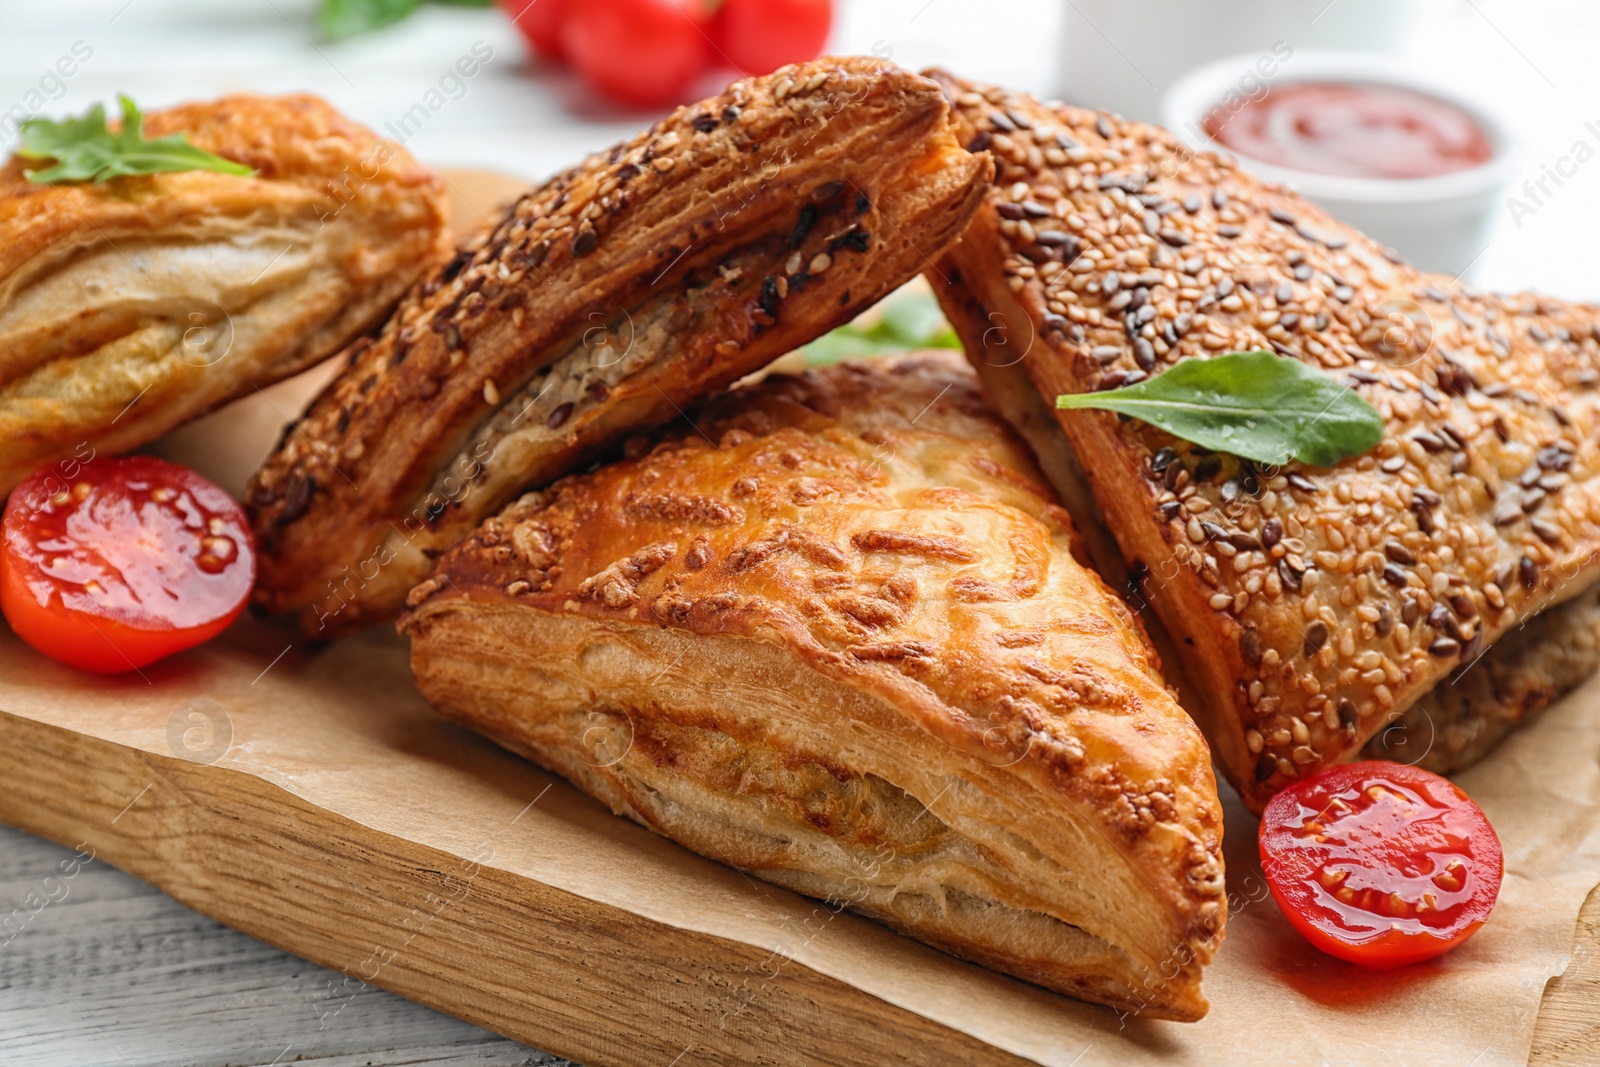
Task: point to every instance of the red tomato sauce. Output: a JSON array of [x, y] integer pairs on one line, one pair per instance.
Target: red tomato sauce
[[1353, 131]]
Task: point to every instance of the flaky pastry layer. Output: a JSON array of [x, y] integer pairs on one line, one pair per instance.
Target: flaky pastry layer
[[130, 306], [607, 300], [835, 634]]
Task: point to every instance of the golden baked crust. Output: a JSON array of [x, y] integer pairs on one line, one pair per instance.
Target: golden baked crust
[[607, 300], [130, 306], [1309, 606], [835, 634]]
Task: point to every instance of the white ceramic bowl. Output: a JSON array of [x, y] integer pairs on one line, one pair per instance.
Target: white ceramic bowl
[[1121, 55], [1439, 223]]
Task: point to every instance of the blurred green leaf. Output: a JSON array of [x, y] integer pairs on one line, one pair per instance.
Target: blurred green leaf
[[909, 322], [338, 19]]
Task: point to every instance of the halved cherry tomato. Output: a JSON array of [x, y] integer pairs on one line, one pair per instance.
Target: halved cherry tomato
[[759, 36], [643, 52], [1379, 863], [123, 562], [540, 23]]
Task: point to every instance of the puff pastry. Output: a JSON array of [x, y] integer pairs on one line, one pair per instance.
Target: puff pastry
[[1309, 607], [606, 300], [131, 306], [835, 635]]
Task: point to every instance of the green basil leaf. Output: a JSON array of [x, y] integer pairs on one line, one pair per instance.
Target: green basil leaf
[[338, 19], [85, 149], [1256, 405]]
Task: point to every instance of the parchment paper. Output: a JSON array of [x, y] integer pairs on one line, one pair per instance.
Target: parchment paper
[[343, 728]]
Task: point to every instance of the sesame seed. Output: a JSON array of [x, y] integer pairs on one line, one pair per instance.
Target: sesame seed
[[1399, 553], [1316, 637]]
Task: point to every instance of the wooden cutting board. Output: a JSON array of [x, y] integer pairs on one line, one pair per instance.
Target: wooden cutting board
[[466, 914], [342, 822], [306, 796]]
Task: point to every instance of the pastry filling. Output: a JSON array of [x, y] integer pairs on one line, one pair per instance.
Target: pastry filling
[[580, 378], [608, 352]]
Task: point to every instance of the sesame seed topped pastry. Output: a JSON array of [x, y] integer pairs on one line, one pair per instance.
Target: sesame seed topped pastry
[[132, 304], [1309, 606], [835, 635], [1454, 725], [606, 300]]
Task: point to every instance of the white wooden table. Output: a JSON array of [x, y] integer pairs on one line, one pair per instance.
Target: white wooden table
[[113, 972], [116, 973]]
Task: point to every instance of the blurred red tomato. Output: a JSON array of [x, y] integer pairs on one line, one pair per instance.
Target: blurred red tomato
[[540, 22], [759, 36], [644, 52]]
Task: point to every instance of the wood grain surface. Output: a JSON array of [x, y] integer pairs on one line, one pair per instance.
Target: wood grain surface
[[590, 981], [112, 971], [1567, 1033]]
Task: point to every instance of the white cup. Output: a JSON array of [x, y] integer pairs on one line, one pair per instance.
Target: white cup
[[1439, 223]]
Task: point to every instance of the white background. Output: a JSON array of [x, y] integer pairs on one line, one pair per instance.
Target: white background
[[1535, 61]]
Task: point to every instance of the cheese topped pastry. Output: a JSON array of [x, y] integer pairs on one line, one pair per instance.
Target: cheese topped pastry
[[833, 632], [129, 306]]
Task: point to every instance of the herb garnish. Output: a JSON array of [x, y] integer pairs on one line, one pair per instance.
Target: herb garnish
[[86, 150], [1256, 405]]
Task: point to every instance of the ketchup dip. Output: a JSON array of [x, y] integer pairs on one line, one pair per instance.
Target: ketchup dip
[[1353, 130]]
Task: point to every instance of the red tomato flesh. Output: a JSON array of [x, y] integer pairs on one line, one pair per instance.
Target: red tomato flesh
[[759, 36], [123, 562], [1379, 863]]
